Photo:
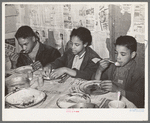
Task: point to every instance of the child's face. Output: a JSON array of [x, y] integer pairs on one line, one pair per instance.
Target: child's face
[[77, 45], [27, 44], [123, 55]]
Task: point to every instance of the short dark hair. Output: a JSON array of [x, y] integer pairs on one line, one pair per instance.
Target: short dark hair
[[83, 33], [127, 41], [25, 32]]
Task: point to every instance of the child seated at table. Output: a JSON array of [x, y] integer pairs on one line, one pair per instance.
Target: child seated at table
[[78, 61], [33, 51], [127, 77]]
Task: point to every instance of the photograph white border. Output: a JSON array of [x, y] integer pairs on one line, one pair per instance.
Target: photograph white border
[[83, 114]]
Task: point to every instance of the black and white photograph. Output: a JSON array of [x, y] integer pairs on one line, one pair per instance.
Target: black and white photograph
[[74, 61]]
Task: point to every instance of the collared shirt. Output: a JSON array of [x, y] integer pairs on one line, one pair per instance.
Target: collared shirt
[[78, 61], [32, 55]]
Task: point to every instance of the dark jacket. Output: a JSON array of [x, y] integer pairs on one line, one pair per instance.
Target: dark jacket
[[88, 67], [134, 84], [46, 54]]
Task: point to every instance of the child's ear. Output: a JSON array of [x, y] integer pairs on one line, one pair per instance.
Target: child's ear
[[133, 54], [85, 44], [33, 39]]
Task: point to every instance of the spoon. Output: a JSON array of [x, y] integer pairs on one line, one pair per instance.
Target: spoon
[[116, 63]]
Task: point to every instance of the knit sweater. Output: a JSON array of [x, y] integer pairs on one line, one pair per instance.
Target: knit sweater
[[130, 79]]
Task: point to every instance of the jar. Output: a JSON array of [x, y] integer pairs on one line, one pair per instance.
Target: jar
[[14, 83]]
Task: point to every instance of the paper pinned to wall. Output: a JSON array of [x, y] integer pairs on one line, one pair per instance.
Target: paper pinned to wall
[[140, 38], [10, 10], [67, 16], [51, 40], [139, 19], [34, 15], [58, 17], [9, 24], [99, 44], [90, 18], [66, 36], [78, 15], [103, 12], [59, 38], [126, 8]]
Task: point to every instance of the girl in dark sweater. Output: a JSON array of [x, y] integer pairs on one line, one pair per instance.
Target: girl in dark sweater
[[79, 61]]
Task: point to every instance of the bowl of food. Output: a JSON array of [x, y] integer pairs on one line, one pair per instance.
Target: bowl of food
[[25, 98], [84, 105]]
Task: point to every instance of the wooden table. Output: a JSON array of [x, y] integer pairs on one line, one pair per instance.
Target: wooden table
[[55, 90]]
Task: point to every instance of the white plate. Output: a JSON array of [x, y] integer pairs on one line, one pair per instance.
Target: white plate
[[92, 88], [25, 98], [23, 69], [71, 99]]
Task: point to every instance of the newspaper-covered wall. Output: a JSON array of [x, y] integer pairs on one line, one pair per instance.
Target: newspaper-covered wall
[[62, 18]]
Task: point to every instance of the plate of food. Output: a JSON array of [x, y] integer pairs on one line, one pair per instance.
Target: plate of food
[[69, 100], [23, 69], [92, 88], [60, 79], [25, 98]]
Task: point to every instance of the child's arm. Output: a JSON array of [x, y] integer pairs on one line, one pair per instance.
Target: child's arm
[[71, 72], [14, 58], [63, 70], [84, 74], [103, 64], [58, 63], [110, 86], [98, 74]]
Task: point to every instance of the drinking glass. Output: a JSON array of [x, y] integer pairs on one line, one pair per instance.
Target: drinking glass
[[40, 80]]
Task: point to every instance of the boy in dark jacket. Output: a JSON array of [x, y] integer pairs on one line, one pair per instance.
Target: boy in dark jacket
[[79, 61], [32, 49], [127, 77]]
